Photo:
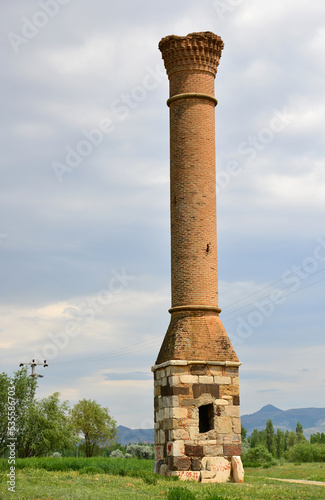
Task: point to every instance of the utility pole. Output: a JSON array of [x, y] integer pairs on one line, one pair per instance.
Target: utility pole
[[32, 364]]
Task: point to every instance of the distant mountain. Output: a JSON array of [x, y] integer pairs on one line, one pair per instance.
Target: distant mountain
[[127, 436], [311, 419]]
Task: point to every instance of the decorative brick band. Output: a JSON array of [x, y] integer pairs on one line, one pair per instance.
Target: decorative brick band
[[180, 362], [190, 95], [194, 308]]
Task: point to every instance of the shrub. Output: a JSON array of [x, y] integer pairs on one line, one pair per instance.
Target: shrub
[[306, 452], [257, 456], [117, 454], [56, 454]]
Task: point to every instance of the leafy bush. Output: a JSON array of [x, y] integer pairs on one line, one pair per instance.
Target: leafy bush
[[56, 454], [180, 493], [117, 454], [255, 457], [140, 451], [306, 452]]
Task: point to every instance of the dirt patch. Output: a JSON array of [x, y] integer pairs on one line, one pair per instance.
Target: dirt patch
[[299, 481]]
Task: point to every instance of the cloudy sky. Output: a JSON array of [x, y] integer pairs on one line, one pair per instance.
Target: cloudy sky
[[84, 228]]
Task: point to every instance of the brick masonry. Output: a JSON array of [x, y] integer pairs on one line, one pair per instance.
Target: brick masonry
[[197, 419]]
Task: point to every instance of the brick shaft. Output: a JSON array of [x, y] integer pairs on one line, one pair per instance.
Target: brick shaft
[[195, 330]]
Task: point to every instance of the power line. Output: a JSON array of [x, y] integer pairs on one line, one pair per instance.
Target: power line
[[274, 283], [152, 342], [32, 364]]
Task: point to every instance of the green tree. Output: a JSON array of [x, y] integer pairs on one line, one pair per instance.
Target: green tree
[[290, 437], [269, 435], [300, 438], [95, 423], [255, 438], [16, 395], [279, 443], [47, 428], [318, 438]]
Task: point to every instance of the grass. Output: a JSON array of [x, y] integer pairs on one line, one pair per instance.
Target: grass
[[132, 479]]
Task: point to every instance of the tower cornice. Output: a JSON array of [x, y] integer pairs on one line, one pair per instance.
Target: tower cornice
[[197, 51]]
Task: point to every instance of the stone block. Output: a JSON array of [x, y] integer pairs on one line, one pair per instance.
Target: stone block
[[237, 469], [232, 411], [220, 379], [189, 475], [235, 380], [189, 379], [221, 402], [160, 415], [195, 464], [229, 390], [163, 470], [220, 470], [231, 450], [173, 380], [159, 452], [176, 448], [205, 379], [172, 424], [198, 370], [215, 370], [179, 463], [194, 450], [156, 467], [178, 412], [227, 398], [236, 426], [193, 431], [176, 391], [188, 402], [173, 401], [212, 450], [199, 389], [166, 413], [179, 434], [223, 425], [232, 371], [164, 381], [236, 400], [161, 437]]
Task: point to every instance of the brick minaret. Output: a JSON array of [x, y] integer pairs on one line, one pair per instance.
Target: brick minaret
[[197, 418]]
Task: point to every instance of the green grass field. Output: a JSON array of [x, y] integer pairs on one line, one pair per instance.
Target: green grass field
[[100, 478]]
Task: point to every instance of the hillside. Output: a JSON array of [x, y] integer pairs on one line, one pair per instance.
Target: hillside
[[127, 436], [311, 419]]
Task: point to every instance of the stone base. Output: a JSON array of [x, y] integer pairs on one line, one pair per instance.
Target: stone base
[[197, 420], [214, 470]]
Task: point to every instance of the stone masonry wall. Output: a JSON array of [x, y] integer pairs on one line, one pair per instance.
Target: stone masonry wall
[[181, 389]]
